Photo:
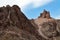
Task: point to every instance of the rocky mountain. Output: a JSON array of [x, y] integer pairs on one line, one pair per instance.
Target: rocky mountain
[[14, 25], [47, 26]]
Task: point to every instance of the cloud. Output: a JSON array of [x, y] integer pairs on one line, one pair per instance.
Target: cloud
[[38, 3], [58, 17], [24, 3]]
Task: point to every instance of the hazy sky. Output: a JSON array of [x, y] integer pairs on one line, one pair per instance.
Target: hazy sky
[[33, 8]]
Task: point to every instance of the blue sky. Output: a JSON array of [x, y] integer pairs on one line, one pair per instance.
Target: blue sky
[[33, 8], [53, 7]]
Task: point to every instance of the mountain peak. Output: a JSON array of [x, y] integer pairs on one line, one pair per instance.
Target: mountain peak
[[45, 14]]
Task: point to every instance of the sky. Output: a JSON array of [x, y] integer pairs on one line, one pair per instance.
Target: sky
[[33, 8]]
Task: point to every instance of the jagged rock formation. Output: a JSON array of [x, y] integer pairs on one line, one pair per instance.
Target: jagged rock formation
[[45, 14], [47, 27]]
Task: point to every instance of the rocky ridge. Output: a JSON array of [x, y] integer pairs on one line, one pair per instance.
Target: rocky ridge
[[14, 25]]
